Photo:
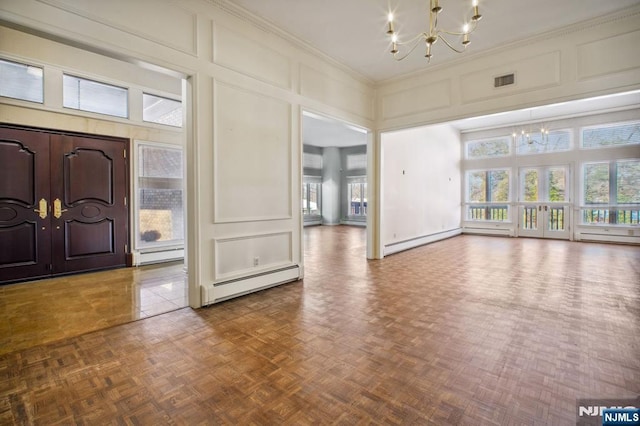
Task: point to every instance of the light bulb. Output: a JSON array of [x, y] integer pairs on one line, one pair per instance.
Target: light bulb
[[474, 3], [390, 17], [394, 38], [465, 28]]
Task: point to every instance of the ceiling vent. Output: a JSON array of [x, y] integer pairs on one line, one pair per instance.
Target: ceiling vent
[[504, 80]]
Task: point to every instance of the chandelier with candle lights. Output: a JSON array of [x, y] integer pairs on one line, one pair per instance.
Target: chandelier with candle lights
[[434, 33]]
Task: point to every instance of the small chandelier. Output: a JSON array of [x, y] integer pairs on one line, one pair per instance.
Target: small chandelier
[[434, 34], [531, 136]]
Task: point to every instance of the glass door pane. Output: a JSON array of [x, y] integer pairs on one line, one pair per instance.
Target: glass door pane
[[529, 196], [556, 184], [529, 185]]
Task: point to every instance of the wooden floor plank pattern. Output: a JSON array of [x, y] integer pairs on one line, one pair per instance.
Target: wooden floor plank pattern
[[472, 330]]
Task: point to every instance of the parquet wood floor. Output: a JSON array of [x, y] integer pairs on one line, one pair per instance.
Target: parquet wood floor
[[472, 330]]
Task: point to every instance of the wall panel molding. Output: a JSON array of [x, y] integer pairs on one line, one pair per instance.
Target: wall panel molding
[[417, 99], [251, 58], [235, 256], [176, 30], [252, 157], [608, 56], [531, 73]]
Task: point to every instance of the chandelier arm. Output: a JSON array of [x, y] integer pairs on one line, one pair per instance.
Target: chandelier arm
[[472, 28], [450, 46], [413, 40], [417, 41]]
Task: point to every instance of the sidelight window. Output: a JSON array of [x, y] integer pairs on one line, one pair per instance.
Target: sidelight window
[[159, 196]]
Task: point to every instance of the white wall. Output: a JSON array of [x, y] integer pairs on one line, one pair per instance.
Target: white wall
[[420, 181], [246, 89]]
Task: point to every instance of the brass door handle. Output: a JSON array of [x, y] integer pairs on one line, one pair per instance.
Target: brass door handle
[[42, 208], [57, 208]]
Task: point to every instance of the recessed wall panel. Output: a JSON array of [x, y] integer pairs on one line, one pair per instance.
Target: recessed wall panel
[[417, 99], [252, 156], [532, 73], [251, 58], [609, 55], [245, 254]]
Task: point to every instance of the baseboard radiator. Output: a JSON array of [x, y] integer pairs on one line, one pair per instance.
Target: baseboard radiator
[[419, 241], [615, 236], [505, 232], [224, 290]]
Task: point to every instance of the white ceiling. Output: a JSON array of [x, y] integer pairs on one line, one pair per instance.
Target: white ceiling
[[354, 31], [325, 132]]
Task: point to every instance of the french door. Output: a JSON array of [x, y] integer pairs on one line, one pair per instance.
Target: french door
[[63, 203], [544, 202]]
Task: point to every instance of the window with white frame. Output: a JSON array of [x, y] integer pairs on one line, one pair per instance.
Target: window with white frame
[[541, 142], [357, 196], [161, 110], [611, 192], [488, 148], [488, 194], [356, 161], [159, 195], [21, 81], [611, 135], [311, 196], [93, 96]]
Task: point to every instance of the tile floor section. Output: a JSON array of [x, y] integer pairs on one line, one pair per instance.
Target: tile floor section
[[37, 312]]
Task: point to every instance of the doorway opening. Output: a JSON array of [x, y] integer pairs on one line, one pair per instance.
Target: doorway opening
[[335, 186]]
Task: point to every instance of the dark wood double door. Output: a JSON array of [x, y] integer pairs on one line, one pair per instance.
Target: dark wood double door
[[63, 203]]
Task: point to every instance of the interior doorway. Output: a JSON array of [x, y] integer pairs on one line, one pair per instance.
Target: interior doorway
[[335, 190]]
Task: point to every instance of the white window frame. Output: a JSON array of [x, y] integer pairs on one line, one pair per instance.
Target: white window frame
[[610, 209], [488, 205], [507, 139], [312, 180], [361, 180], [161, 245]]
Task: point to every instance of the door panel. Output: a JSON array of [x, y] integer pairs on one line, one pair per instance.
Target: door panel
[[25, 239], [90, 227], [62, 204]]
